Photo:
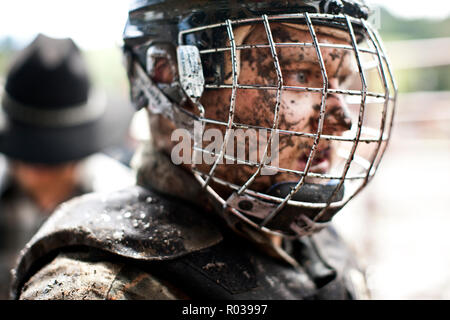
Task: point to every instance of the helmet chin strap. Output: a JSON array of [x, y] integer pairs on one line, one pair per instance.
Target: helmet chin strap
[[292, 220], [312, 193], [309, 192]]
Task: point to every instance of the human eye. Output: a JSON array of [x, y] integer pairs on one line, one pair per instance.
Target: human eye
[[301, 77], [298, 77]]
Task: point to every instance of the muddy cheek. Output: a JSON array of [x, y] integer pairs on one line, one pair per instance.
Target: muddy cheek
[[216, 104], [296, 110], [255, 107], [291, 149]]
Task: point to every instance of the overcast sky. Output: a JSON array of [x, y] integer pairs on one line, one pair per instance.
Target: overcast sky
[[97, 24]]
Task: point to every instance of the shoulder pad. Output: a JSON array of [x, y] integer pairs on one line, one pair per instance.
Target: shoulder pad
[[134, 223]]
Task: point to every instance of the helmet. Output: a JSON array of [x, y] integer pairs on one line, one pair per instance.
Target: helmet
[[205, 43]]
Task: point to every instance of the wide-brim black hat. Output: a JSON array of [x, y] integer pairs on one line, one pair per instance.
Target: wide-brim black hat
[[49, 115]]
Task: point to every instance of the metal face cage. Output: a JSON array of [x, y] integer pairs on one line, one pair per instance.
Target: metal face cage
[[371, 98]]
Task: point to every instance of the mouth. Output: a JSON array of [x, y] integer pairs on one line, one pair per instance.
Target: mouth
[[319, 164]]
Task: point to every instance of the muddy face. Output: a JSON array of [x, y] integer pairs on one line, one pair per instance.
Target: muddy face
[[298, 111]]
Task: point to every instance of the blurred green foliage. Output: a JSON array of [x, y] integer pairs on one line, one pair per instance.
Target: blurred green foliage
[[7, 49], [421, 79], [395, 28], [107, 70]]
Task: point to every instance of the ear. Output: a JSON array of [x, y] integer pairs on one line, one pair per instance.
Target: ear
[[162, 71], [161, 63]]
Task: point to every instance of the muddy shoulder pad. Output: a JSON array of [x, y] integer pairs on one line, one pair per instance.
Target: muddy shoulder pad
[[134, 223]]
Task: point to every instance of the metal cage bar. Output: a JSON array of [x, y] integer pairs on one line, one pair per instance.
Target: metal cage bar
[[276, 62], [394, 86], [284, 44], [292, 133], [386, 102], [370, 174], [232, 102], [297, 172], [320, 125], [360, 122], [267, 197], [295, 88], [369, 166], [290, 16]]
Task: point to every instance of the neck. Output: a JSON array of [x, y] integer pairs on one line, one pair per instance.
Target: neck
[[48, 186], [49, 198], [156, 171]]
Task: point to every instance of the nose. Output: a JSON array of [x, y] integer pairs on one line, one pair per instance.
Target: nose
[[337, 114]]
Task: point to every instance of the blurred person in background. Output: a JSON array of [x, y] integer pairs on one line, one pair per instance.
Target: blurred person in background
[[52, 127]]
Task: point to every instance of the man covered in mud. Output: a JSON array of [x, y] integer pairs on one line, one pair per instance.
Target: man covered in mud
[[230, 228]]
